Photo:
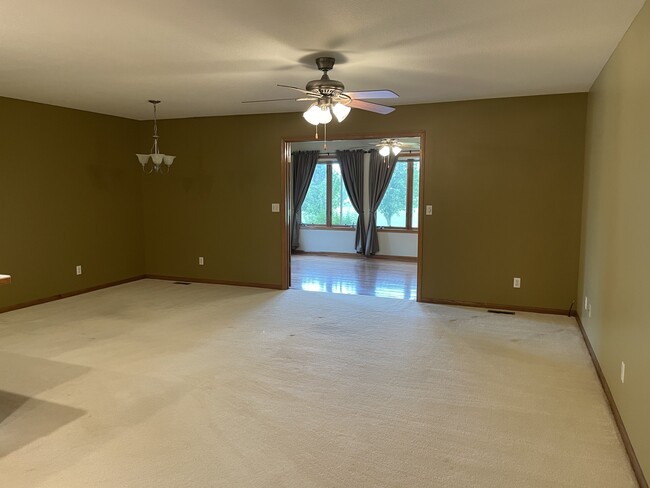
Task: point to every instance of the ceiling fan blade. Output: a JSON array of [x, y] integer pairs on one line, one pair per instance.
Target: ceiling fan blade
[[368, 94], [371, 107], [310, 93], [270, 100]]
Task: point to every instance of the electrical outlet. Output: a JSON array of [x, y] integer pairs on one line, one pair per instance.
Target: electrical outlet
[[78, 270], [201, 261], [275, 207], [586, 302], [589, 308], [622, 372], [516, 283]]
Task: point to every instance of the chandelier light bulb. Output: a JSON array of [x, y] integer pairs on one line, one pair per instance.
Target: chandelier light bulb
[[384, 151], [341, 111], [325, 116], [396, 149], [143, 158], [312, 114]]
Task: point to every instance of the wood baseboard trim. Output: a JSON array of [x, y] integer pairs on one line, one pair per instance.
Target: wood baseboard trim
[[213, 282], [410, 259], [496, 306], [634, 462], [69, 294]]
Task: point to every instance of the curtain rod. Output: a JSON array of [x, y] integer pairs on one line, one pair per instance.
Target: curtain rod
[[405, 152]]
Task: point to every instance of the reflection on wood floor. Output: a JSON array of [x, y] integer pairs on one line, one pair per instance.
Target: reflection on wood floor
[[354, 276]]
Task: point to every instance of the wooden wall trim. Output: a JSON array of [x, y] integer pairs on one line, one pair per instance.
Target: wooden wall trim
[[69, 294], [421, 214], [496, 306], [634, 462], [286, 211], [214, 282]]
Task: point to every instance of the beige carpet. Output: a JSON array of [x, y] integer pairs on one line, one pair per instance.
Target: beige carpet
[[153, 384]]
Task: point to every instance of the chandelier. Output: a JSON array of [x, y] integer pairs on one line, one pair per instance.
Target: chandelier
[[157, 158]]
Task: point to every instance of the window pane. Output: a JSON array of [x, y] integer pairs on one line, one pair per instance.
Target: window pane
[[314, 208], [343, 212], [416, 193], [392, 210]]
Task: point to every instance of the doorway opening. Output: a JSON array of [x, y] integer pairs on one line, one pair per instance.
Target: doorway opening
[[327, 255]]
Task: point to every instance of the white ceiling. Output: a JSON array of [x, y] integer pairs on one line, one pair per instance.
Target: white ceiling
[[204, 57]]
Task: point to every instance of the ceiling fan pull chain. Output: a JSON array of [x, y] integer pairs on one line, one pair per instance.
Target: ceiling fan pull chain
[[317, 131], [325, 137]]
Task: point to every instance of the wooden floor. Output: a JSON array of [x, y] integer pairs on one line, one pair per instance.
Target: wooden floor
[[354, 276]]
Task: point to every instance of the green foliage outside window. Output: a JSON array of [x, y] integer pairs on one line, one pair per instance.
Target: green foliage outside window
[[393, 206], [314, 208]]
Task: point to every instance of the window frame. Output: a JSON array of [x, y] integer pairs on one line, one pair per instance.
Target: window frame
[[408, 229]]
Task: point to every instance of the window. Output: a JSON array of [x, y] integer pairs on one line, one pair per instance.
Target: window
[[400, 205], [327, 202]]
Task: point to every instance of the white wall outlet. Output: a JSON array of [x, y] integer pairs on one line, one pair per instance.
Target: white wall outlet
[[428, 209], [275, 207], [201, 260], [589, 308], [622, 372], [78, 270], [586, 303], [516, 283]]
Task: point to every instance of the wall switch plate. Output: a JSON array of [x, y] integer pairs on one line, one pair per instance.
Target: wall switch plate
[[201, 260], [275, 207], [78, 270], [622, 372], [429, 209], [586, 302], [516, 283], [589, 308]]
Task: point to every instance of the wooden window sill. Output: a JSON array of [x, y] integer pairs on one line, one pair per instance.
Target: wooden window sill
[[324, 227], [397, 230]]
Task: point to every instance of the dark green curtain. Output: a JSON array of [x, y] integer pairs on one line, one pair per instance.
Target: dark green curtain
[[303, 165], [351, 163], [381, 171]]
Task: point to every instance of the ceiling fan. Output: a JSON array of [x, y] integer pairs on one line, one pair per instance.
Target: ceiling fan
[[329, 97], [386, 146]]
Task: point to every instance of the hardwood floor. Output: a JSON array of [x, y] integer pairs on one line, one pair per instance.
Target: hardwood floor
[[354, 276]]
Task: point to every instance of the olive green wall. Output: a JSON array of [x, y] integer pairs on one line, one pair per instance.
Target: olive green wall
[[504, 177], [615, 257], [68, 196]]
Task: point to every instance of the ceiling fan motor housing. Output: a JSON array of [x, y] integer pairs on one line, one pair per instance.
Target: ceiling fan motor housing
[[325, 86]]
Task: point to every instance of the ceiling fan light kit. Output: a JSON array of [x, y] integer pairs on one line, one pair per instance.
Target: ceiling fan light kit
[[160, 162], [330, 100], [386, 146]]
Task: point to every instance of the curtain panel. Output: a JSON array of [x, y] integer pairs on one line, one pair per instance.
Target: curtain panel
[[351, 163], [381, 171], [303, 165]]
